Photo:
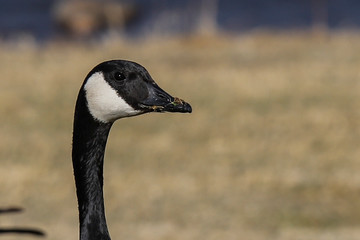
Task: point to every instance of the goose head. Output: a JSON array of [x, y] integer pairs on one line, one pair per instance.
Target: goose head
[[119, 88]]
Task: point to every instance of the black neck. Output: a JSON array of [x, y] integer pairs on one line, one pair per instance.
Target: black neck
[[89, 141]]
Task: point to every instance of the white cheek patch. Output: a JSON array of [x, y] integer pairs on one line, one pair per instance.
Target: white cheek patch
[[103, 101]]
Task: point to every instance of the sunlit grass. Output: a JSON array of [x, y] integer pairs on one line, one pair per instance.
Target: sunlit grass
[[269, 152]]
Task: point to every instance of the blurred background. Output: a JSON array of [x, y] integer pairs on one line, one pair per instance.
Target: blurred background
[[53, 19], [271, 150]]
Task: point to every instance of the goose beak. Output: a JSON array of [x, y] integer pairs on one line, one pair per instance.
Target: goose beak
[[160, 101]]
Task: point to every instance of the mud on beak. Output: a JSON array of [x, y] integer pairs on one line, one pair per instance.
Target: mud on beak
[[160, 101]]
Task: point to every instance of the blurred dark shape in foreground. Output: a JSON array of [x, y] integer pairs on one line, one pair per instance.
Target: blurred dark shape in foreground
[[81, 19], [29, 231], [10, 210], [19, 230]]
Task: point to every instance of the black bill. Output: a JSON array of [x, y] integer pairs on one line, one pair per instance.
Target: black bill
[[160, 101]]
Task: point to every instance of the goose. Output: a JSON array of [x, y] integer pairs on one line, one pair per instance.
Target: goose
[[112, 90]]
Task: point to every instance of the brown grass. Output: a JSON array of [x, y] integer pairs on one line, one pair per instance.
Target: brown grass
[[271, 150]]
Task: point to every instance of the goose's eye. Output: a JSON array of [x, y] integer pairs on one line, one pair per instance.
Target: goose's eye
[[119, 76]]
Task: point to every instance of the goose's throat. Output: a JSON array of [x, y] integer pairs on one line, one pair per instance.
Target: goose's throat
[[89, 142]]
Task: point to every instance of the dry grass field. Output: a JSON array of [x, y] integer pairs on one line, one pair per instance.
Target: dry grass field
[[271, 150]]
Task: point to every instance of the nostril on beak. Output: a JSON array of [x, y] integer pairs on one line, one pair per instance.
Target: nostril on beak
[[164, 97]]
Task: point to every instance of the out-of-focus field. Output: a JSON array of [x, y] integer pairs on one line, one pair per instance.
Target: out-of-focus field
[[271, 150]]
